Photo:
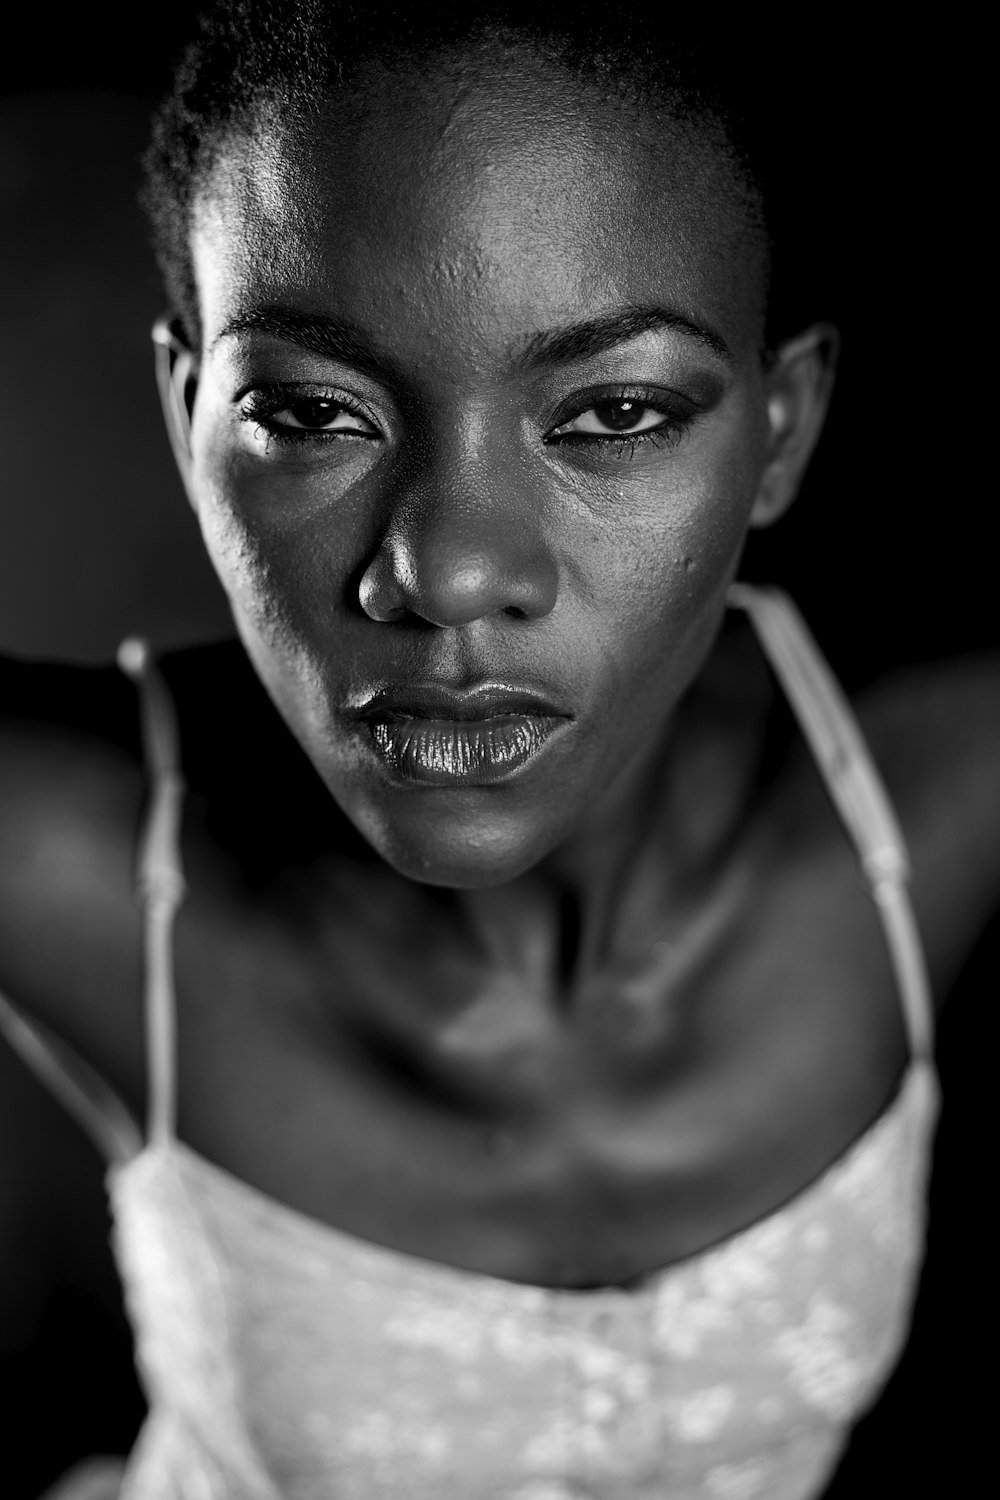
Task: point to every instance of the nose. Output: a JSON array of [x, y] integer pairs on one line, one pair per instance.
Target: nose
[[454, 556]]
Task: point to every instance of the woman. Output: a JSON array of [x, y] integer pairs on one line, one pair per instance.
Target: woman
[[542, 1107]]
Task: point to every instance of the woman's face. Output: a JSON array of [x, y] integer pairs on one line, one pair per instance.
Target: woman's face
[[476, 434]]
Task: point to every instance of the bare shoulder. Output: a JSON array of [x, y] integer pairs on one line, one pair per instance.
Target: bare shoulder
[[934, 731], [70, 793], [72, 788], [69, 767]]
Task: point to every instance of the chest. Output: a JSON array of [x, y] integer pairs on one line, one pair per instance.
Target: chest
[[696, 1087]]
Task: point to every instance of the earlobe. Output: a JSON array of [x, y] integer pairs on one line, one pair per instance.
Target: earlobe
[[799, 386], [177, 380]]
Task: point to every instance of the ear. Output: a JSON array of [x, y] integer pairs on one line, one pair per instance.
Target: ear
[[798, 387], [177, 379]]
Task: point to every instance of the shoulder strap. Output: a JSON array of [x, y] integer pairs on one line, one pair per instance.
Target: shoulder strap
[[160, 885], [159, 889], [834, 736], [81, 1090]]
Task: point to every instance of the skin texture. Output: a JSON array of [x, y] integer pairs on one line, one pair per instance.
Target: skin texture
[[456, 541]]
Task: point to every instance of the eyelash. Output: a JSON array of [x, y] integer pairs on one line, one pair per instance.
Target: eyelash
[[263, 404]]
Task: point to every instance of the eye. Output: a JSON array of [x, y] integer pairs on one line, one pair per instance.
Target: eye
[[618, 417], [284, 414], [319, 414], [622, 423]]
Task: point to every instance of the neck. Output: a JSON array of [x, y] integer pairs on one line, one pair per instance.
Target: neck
[[651, 849]]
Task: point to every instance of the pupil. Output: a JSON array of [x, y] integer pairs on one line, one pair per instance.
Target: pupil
[[619, 414], [315, 413]]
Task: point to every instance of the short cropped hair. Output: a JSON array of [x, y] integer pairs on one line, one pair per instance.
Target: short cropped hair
[[287, 57]]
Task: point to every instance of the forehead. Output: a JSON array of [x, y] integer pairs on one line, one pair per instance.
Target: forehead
[[476, 205]]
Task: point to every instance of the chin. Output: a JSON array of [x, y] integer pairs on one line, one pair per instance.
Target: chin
[[461, 848]]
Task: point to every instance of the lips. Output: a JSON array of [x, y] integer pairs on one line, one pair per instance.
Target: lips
[[436, 735]]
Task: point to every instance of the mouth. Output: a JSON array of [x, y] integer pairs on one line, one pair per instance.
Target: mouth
[[434, 735]]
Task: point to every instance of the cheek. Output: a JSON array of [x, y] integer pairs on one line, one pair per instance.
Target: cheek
[[239, 549], [269, 540], [667, 564], [713, 515], [665, 587], [266, 573]]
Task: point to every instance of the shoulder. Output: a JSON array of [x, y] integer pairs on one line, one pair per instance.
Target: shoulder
[[934, 731], [70, 791], [72, 786], [70, 734], [69, 762], [43, 702]]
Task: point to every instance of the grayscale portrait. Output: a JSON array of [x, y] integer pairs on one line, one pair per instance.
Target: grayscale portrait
[[499, 761]]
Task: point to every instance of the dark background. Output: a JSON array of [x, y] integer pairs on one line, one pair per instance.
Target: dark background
[[889, 553]]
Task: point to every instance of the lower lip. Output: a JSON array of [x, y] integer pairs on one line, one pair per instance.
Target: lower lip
[[461, 752]]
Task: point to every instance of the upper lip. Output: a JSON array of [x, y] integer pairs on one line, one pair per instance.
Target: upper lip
[[434, 700]]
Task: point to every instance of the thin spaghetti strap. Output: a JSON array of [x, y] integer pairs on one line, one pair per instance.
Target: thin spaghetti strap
[[830, 728], [77, 1086], [159, 885]]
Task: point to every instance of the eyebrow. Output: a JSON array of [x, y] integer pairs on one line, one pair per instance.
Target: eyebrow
[[334, 338], [596, 335]]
